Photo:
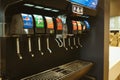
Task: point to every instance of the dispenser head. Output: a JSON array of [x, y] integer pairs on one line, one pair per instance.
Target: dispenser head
[[79, 27], [75, 27], [59, 27], [49, 25], [21, 24], [39, 24]]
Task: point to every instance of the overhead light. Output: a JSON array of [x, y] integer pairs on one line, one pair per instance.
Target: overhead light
[[47, 9], [55, 10], [29, 5], [39, 7]]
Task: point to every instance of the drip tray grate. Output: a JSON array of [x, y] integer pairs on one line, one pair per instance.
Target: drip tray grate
[[63, 72]]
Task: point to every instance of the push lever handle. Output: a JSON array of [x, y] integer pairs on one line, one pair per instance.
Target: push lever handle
[[75, 42], [79, 43], [48, 46], [69, 43], [29, 45], [18, 48], [39, 46], [59, 42], [64, 44]]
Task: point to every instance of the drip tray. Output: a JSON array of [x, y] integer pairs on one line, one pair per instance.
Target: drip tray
[[70, 71]]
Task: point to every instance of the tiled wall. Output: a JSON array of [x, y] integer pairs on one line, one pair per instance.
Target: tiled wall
[[115, 22]]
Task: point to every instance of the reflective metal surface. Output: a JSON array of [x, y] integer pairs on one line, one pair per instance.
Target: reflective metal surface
[[63, 72]]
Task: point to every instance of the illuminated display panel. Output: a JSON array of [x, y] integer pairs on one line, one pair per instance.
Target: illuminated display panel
[[83, 25], [27, 21], [39, 22], [88, 3], [59, 24], [87, 24], [74, 25], [50, 24], [79, 26]]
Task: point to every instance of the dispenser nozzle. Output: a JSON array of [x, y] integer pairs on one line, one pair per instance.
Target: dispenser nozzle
[[29, 45], [79, 42], [18, 48], [64, 45], [59, 42], [48, 46], [75, 42], [69, 43], [39, 46]]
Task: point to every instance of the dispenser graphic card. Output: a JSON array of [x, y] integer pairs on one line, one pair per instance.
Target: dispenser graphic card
[[59, 24], [39, 22], [49, 21], [87, 24], [79, 26], [74, 25], [27, 20]]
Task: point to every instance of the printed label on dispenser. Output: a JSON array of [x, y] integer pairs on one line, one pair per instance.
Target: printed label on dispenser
[[83, 25], [28, 21], [39, 22], [59, 24], [74, 25], [79, 26], [49, 21], [87, 24]]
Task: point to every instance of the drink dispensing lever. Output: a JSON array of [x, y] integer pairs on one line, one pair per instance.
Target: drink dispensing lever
[[59, 42], [18, 48], [69, 43], [79, 42], [75, 42], [48, 45], [64, 44], [39, 46], [29, 47]]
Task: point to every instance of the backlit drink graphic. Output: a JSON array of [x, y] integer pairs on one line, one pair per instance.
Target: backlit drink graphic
[[74, 25], [28, 21], [39, 22], [79, 27], [87, 24], [59, 24]]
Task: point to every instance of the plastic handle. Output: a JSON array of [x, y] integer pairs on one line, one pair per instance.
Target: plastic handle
[[39, 46], [29, 45], [18, 49], [64, 44], [48, 46], [75, 42]]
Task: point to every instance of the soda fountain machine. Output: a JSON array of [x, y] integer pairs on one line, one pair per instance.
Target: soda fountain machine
[[22, 24], [34, 28]]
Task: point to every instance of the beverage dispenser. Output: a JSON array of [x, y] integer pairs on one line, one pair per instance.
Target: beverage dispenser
[[39, 30], [79, 32], [22, 24], [49, 30], [59, 30], [75, 31], [65, 30]]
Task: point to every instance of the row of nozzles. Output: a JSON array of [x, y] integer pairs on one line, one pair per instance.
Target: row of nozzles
[[61, 42]]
